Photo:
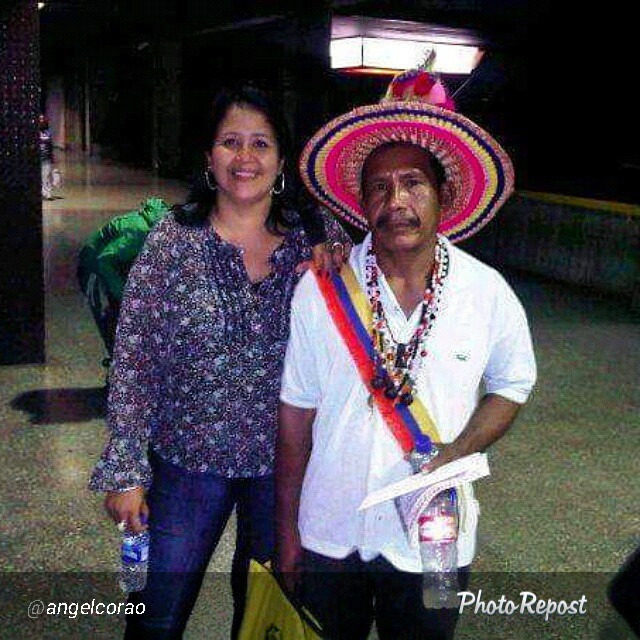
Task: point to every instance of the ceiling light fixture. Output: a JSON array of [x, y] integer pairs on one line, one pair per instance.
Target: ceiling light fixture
[[386, 54], [379, 46]]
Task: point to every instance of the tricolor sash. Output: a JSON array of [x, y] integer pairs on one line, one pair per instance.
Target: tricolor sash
[[351, 313]]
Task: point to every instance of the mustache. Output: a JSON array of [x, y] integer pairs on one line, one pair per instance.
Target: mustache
[[386, 219]]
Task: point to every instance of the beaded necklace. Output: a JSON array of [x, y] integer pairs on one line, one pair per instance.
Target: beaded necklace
[[396, 363]]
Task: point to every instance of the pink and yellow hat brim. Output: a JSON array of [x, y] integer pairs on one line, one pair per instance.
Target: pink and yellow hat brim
[[478, 172]]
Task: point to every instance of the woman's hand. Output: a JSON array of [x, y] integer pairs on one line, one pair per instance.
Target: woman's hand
[[128, 509], [325, 259]]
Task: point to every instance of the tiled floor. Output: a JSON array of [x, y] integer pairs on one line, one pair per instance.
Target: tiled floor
[[563, 495]]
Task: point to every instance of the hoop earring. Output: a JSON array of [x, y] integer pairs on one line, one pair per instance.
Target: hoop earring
[[207, 180], [279, 190]]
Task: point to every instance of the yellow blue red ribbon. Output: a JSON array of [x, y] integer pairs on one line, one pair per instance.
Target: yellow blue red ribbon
[[351, 313]]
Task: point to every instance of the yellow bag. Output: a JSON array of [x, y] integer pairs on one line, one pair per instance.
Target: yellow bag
[[270, 615]]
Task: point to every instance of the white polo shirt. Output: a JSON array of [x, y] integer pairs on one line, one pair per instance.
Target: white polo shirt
[[480, 338]]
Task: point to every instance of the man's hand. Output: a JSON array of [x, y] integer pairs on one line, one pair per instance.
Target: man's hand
[[293, 447], [489, 422], [129, 507], [288, 560], [446, 453]]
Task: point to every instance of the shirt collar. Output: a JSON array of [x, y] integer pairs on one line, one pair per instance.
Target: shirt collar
[[359, 257]]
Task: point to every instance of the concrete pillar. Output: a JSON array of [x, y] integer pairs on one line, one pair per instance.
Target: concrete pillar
[[21, 269]]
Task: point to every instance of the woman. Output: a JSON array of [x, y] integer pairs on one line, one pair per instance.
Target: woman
[[197, 365]]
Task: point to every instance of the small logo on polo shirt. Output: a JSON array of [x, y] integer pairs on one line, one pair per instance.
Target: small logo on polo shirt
[[463, 357]]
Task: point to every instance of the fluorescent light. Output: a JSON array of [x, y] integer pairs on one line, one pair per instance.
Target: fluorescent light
[[346, 52], [385, 53], [396, 54], [456, 58], [40, 5]]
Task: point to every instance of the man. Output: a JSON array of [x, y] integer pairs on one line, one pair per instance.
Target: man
[[417, 336]]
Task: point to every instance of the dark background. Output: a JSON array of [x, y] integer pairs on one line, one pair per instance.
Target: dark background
[[556, 86]]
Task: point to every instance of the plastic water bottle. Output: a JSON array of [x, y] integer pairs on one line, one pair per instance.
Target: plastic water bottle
[[134, 554], [437, 535]]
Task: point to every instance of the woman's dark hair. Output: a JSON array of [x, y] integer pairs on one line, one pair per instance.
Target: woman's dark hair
[[201, 198]]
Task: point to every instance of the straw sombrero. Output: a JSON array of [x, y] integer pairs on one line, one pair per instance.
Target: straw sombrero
[[415, 109]]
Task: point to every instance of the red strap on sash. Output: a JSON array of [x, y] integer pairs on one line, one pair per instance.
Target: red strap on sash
[[362, 360]]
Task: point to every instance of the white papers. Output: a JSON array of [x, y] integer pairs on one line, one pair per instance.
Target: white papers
[[448, 475], [413, 494]]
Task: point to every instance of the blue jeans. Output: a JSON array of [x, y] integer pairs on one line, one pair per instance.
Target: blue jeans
[[188, 513]]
